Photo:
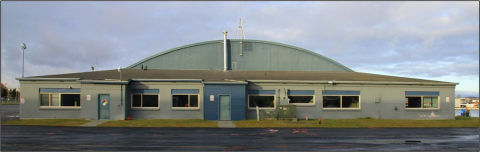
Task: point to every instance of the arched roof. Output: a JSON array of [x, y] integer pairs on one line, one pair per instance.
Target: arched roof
[[243, 54]]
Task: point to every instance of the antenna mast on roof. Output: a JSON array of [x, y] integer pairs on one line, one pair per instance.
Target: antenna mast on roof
[[240, 34]]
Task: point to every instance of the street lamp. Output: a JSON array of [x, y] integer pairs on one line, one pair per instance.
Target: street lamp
[[23, 66]]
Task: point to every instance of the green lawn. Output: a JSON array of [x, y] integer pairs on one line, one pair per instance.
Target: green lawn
[[10, 103], [46, 122], [458, 122], [181, 123]]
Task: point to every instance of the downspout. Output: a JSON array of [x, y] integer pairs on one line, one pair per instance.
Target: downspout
[[224, 50]]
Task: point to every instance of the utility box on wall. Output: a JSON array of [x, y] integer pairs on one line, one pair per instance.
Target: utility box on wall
[[269, 115], [287, 112]]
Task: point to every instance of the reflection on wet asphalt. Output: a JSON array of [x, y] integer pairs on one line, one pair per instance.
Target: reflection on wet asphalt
[[9, 112], [229, 139]]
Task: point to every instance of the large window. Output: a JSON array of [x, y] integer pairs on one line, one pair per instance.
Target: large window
[[145, 100], [262, 101], [301, 97], [341, 101], [185, 100], [296, 99], [422, 99], [421, 102], [59, 100]]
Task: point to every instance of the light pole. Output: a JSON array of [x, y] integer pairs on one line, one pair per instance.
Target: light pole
[[23, 66]]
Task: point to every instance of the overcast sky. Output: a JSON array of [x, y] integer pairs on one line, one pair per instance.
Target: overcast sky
[[427, 40]]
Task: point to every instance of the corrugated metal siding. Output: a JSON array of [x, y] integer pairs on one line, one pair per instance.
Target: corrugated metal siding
[[237, 95], [256, 55], [195, 57]]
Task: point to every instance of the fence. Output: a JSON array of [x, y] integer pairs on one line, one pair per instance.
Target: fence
[[11, 101]]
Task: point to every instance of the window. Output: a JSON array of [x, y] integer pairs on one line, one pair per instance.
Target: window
[[341, 99], [145, 100], [188, 100], [301, 97], [262, 101], [59, 100], [422, 99], [421, 102]]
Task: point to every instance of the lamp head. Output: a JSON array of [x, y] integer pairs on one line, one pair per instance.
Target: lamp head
[[23, 46]]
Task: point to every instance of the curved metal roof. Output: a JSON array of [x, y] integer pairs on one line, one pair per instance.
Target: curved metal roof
[[253, 55]]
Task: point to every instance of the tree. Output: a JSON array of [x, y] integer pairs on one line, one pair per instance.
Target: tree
[[4, 90], [14, 93]]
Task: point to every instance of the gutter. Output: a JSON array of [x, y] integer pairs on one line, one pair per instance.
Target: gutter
[[225, 83], [103, 82], [168, 80], [353, 82], [47, 79]]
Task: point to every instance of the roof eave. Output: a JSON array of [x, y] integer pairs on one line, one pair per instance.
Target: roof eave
[[103, 81], [47, 79], [355, 82]]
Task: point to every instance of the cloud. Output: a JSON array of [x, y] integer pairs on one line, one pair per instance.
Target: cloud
[[428, 39]]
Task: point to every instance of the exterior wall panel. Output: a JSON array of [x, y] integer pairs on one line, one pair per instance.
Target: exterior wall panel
[[30, 91], [166, 111], [237, 102], [90, 108], [391, 97]]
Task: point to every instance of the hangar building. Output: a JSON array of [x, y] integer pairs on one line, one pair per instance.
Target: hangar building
[[226, 79]]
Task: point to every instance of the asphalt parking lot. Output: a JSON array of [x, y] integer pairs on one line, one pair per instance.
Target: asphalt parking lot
[[9, 112], [43, 138]]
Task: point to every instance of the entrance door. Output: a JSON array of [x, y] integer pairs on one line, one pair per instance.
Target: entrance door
[[225, 107], [104, 106]]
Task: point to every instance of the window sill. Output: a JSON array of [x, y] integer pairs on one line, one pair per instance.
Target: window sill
[[145, 108], [185, 109], [422, 109], [341, 109], [60, 108], [261, 108], [303, 105]]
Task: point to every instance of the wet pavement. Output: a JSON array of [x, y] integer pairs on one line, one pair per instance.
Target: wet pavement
[[43, 138], [9, 112]]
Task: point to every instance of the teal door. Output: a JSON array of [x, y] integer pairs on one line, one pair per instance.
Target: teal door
[[225, 107], [104, 106]]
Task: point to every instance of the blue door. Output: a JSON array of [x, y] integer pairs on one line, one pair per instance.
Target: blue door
[[225, 107], [104, 106]]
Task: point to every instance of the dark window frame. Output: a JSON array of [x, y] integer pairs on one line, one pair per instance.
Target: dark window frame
[[341, 102], [189, 100], [274, 101], [141, 100], [59, 102], [313, 98], [422, 103]]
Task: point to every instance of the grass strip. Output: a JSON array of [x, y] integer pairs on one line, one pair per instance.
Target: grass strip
[[177, 123], [458, 122], [46, 122]]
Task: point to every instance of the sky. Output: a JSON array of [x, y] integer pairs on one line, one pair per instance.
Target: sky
[[426, 40]]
